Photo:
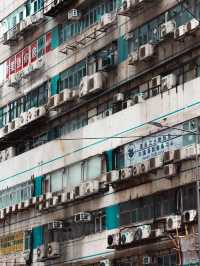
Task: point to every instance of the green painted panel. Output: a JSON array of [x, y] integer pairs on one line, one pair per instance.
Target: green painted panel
[[122, 49], [55, 84], [38, 186], [109, 160], [112, 217], [55, 37], [37, 236]]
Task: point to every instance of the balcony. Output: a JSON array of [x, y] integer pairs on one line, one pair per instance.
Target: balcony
[[53, 7]]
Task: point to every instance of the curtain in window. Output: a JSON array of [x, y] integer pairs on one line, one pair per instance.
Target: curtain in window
[[56, 181], [94, 167]]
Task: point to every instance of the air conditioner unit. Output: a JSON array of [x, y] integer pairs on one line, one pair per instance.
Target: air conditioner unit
[[146, 51], [13, 125], [168, 82], [105, 262], [192, 25], [169, 170], [64, 96], [133, 58], [54, 201], [144, 167], [23, 118], [127, 6], [168, 156], [142, 232], [127, 236], [48, 196], [112, 176], [55, 225], [70, 195], [41, 253], [189, 216], [9, 153], [136, 170], [35, 200], [36, 112], [155, 82], [39, 17], [74, 14], [158, 232], [2, 155], [155, 163], [63, 197], [128, 103], [179, 33], [147, 260], [107, 20], [53, 101], [119, 97], [167, 29], [21, 206], [89, 187], [27, 203], [2, 213], [138, 98], [106, 113], [14, 208], [90, 84], [113, 240], [173, 222], [126, 173], [8, 210], [53, 250], [76, 192], [82, 217]]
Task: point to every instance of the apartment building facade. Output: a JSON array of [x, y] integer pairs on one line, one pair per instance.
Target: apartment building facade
[[99, 122]]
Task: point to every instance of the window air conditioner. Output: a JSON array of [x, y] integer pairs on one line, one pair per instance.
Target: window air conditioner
[[113, 240], [23, 118], [112, 176], [173, 222], [107, 20], [127, 236], [169, 170], [155, 82], [142, 232], [119, 97], [55, 225], [63, 197], [41, 253], [192, 25], [39, 64], [167, 29], [155, 163], [133, 58], [168, 82], [8, 210], [136, 170], [70, 195], [2, 213], [74, 14], [91, 84], [64, 96], [126, 173], [138, 98], [189, 152], [27, 203], [105, 262], [9, 153], [168, 156], [82, 217], [36, 112], [39, 17], [53, 250], [14, 208], [179, 33], [21, 206], [147, 260], [189, 216], [89, 187], [144, 167], [146, 51]]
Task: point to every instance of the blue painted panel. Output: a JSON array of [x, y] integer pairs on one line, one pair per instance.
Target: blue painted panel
[[122, 49], [112, 217], [55, 38]]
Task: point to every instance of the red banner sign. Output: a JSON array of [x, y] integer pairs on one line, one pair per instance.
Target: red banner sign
[[12, 65], [48, 42], [25, 57], [33, 52], [19, 62]]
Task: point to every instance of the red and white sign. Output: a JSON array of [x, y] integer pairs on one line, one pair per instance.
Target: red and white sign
[[19, 61], [48, 42], [25, 57], [33, 52], [12, 65]]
